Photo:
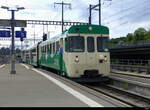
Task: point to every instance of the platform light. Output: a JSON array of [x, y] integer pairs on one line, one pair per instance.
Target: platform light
[[13, 9]]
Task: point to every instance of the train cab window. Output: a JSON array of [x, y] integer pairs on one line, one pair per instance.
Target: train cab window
[[90, 44], [102, 44], [57, 46], [75, 44], [53, 48]]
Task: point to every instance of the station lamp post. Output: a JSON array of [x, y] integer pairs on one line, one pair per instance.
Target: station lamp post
[[13, 33]]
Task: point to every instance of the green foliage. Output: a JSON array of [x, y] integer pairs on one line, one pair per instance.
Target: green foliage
[[139, 34], [147, 37], [130, 37], [116, 41]]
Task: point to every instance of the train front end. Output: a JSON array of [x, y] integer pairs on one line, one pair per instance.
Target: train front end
[[87, 57]]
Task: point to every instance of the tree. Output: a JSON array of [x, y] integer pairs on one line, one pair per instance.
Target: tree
[[139, 34], [147, 37], [129, 38]]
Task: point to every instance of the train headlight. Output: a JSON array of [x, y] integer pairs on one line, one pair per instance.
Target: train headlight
[[77, 59], [105, 58]]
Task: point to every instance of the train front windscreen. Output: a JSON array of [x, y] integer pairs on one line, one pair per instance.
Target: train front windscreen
[[102, 44], [75, 44]]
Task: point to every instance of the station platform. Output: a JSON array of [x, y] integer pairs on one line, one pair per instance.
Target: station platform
[[30, 87]]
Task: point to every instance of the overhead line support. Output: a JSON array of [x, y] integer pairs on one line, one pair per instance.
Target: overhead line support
[[63, 4]]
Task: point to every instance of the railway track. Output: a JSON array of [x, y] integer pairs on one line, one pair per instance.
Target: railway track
[[108, 93], [122, 95], [88, 90]]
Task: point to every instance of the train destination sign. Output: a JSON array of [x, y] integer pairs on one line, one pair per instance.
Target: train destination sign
[[18, 23], [4, 33], [20, 34]]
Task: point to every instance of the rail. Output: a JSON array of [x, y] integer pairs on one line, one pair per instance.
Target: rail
[[131, 68], [86, 89], [121, 95]]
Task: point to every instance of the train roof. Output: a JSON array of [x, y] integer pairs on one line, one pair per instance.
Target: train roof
[[88, 29], [80, 29], [54, 38]]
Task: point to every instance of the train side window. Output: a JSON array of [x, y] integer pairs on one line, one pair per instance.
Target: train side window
[[47, 48], [50, 49], [57, 46], [54, 48], [42, 49], [90, 44]]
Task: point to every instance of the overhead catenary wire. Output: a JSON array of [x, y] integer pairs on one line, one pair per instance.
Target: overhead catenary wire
[[124, 9], [146, 13], [129, 14]]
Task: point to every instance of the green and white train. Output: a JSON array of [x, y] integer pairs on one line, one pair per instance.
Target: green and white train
[[80, 53]]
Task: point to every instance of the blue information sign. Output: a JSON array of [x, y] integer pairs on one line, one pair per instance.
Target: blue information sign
[[21, 34], [4, 33]]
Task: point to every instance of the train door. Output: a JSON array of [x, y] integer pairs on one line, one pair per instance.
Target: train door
[[91, 54], [61, 55], [65, 55]]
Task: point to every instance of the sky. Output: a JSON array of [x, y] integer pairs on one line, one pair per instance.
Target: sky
[[121, 16]]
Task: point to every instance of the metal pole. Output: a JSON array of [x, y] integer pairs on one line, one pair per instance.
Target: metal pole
[[62, 16], [21, 52], [90, 17], [34, 34], [99, 12], [21, 46], [62, 12], [12, 47]]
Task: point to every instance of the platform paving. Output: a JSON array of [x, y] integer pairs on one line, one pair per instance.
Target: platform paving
[[29, 89]]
